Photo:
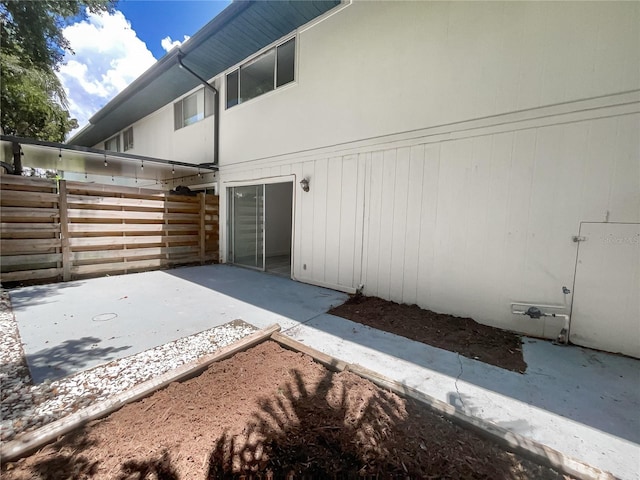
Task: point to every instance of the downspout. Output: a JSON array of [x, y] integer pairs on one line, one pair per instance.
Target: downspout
[[216, 107]]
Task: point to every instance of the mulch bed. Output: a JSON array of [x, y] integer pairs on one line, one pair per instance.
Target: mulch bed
[[462, 335], [273, 413]]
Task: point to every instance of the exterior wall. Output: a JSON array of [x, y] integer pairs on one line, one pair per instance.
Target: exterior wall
[[453, 149], [379, 68], [154, 136]]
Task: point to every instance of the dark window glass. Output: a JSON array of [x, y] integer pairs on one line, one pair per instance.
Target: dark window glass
[[232, 89], [127, 139], [256, 77], [113, 144], [285, 68], [193, 108]]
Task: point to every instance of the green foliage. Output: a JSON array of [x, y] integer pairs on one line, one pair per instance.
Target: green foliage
[[32, 100]]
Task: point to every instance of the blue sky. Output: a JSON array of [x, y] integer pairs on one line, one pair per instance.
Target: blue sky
[[154, 20], [112, 50]]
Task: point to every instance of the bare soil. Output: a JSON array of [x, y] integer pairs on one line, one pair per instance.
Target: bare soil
[[273, 413], [456, 334]]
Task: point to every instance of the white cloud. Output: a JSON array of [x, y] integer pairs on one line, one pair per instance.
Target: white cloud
[[169, 44], [108, 57]]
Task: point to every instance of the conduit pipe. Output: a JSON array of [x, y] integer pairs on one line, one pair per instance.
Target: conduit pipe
[[535, 313]]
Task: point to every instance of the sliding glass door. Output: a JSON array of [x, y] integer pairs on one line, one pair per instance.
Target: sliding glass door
[[246, 222]]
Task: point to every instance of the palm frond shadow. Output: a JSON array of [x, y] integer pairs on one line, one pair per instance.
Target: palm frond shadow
[[286, 440], [69, 461]]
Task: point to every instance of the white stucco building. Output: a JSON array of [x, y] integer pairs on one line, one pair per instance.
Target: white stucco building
[[471, 158]]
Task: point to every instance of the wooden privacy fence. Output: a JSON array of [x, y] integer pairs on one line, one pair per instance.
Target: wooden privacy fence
[[68, 230]]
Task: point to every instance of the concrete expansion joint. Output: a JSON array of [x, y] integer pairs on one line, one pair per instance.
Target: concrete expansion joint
[[302, 323]]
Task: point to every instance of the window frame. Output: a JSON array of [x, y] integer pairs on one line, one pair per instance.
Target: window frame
[[237, 72], [207, 108], [115, 138], [127, 145]]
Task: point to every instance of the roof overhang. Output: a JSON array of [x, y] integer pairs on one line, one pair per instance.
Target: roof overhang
[[91, 161], [240, 30]]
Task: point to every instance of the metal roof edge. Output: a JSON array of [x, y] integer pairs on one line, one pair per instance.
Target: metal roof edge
[[86, 129]]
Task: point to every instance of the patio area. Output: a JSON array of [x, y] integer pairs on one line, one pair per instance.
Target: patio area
[[581, 402]]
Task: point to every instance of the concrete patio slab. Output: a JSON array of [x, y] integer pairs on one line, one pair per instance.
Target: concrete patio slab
[[580, 402], [69, 327]]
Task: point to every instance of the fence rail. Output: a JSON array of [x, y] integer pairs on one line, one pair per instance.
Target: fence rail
[[67, 230]]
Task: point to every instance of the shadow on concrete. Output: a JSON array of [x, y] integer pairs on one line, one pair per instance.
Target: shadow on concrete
[[562, 380], [280, 295], [63, 359], [37, 294]]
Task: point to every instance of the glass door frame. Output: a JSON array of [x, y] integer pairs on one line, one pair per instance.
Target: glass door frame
[[260, 228], [226, 238]]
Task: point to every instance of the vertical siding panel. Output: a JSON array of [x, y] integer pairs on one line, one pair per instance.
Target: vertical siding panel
[[275, 171], [449, 267], [307, 220], [360, 234], [518, 212], [428, 222], [564, 220], [514, 248], [399, 224], [570, 173], [386, 219], [493, 287], [286, 170], [539, 277], [414, 214], [348, 220], [334, 204], [476, 224], [318, 188], [374, 221]]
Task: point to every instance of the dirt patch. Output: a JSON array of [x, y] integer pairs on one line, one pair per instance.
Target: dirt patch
[[462, 335], [270, 409]]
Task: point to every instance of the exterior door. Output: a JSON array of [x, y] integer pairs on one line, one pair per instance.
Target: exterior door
[[246, 226], [606, 302]]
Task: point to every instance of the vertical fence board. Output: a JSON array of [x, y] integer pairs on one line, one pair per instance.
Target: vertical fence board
[[64, 231], [203, 233]]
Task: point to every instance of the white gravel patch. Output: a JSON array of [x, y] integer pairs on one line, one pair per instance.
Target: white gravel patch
[[25, 407]]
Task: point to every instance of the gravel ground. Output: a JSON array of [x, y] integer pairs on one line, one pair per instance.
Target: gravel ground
[[25, 407]]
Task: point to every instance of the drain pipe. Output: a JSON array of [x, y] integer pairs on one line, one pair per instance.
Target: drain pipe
[[216, 107]]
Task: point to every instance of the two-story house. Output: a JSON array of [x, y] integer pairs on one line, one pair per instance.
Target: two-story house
[[473, 158]]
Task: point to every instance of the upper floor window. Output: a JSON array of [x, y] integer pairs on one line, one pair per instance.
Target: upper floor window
[[127, 139], [273, 69], [193, 108], [113, 144]]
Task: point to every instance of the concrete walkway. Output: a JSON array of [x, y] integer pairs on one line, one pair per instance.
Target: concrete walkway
[[578, 401]]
